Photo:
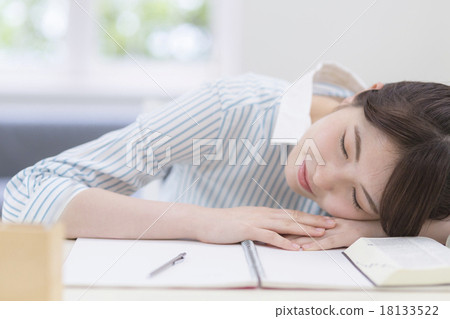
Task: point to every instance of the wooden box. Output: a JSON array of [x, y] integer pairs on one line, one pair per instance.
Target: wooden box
[[31, 262]]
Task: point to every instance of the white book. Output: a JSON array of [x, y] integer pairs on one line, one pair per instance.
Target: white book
[[401, 261]]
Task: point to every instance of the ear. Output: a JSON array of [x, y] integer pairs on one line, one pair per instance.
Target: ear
[[350, 99], [377, 86]]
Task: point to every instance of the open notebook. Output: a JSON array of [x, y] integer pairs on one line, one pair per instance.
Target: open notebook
[[127, 263]]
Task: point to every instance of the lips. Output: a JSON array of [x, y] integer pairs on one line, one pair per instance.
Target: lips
[[302, 176]]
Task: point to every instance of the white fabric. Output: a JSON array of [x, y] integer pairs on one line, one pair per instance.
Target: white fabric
[[294, 115]]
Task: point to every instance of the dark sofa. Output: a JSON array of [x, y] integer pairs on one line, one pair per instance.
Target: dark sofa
[[31, 135]]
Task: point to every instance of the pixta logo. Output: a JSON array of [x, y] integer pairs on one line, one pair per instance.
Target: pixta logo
[[141, 151]]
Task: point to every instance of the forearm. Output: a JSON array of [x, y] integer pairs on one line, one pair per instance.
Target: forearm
[[437, 229], [99, 213], [102, 214]]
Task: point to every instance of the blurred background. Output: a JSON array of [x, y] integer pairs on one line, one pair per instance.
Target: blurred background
[[71, 70]]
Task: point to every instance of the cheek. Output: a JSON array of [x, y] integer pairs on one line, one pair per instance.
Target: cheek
[[290, 170], [351, 214], [343, 213], [338, 207], [326, 139]]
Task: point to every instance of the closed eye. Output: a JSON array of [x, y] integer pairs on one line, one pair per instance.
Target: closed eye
[[344, 151], [355, 201]]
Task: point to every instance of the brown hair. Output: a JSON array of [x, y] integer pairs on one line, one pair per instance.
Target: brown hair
[[416, 117]]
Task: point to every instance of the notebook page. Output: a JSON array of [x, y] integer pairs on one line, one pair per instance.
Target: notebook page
[[309, 269], [127, 263]]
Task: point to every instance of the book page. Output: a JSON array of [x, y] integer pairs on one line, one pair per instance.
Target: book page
[[401, 261], [309, 269], [413, 252], [113, 262]]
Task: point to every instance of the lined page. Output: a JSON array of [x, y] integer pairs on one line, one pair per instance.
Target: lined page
[[127, 263], [402, 261], [412, 252], [309, 269]]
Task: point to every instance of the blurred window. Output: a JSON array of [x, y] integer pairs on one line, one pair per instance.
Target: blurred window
[[49, 46], [157, 29], [32, 30], [154, 29]]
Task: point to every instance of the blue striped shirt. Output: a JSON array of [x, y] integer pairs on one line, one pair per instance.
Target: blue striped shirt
[[209, 147]]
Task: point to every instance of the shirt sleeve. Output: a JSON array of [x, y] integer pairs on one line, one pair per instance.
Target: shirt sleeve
[[121, 161]]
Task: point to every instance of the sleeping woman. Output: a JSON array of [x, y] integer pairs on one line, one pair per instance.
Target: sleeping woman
[[311, 165]]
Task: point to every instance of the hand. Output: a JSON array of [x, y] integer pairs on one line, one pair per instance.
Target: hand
[[232, 225], [346, 232]]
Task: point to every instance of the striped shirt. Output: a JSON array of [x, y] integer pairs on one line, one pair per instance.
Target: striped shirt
[[210, 147]]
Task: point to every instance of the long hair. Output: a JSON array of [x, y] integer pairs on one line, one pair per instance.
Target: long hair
[[416, 117]]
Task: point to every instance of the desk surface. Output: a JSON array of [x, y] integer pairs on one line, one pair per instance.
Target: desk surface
[[96, 293]]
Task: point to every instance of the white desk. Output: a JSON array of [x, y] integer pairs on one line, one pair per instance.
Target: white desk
[[96, 293]]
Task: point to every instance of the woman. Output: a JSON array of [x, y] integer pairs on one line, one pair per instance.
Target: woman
[[377, 161]]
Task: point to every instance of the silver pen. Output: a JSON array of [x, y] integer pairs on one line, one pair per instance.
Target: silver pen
[[168, 264]]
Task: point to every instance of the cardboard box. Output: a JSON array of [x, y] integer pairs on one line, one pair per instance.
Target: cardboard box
[[31, 262]]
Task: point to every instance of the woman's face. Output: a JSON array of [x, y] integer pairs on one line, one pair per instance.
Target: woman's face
[[348, 163]]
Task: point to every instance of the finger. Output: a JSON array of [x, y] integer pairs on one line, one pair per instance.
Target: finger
[[292, 227], [323, 244], [291, 237], [302, 240], [307, 219], [274, 239], [269, 245]]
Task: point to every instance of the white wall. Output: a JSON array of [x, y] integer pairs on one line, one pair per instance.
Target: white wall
[[392, 41]]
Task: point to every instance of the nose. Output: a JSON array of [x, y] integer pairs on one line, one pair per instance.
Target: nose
[[327, 177]]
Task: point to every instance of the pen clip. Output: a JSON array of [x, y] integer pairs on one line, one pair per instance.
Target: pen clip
[[168, 264], [179, 258]]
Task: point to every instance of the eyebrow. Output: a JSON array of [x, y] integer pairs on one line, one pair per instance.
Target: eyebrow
[[358, 152], [358, 143]]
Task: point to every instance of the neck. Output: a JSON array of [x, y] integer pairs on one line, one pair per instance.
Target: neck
[[322, 106]]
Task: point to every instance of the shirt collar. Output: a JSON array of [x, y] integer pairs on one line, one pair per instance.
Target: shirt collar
[[294, 112]]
